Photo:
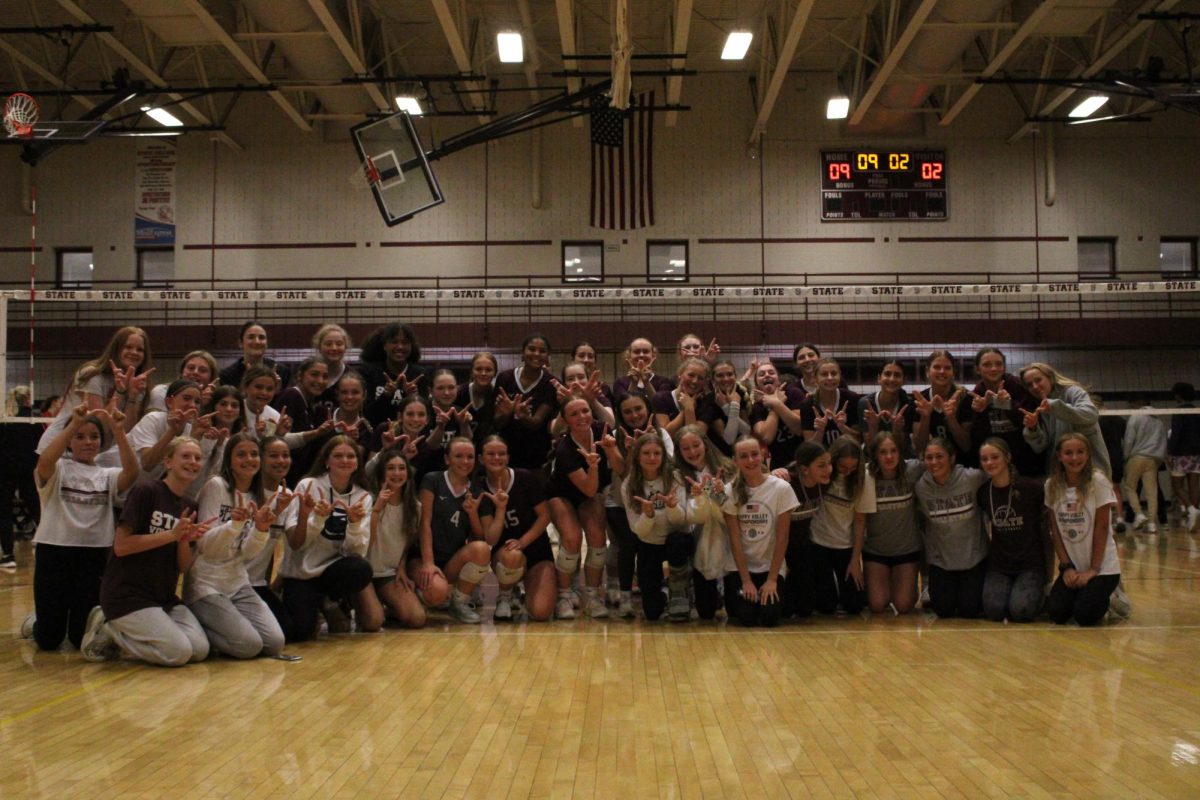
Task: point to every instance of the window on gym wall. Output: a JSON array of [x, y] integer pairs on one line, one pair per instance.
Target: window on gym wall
[[582, 262], [73, 268], [1177, 256], [667, 261], [1097, 257], [155, 267]]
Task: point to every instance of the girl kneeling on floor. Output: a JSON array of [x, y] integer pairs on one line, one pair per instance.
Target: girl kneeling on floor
[[655, 503]]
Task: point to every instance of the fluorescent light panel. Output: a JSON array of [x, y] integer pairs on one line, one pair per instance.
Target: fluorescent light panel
[[410, 104], [736, 45], [837, 108], [162, 117], [1088, 106], [512, 49]]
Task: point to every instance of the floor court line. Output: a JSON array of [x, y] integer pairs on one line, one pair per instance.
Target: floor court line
[[71, 695], [1133, 666]]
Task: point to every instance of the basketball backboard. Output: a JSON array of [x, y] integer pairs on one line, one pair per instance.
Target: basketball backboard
[[398, 172], [58, 130]]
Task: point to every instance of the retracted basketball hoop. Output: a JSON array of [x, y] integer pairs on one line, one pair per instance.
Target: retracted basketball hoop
[[20, 115]]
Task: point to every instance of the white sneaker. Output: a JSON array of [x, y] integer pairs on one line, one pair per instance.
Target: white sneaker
[[27, 625], [925, 602], [1119, 603], [336, 619], [679, 609], [460, 607], [1139, 519], [97, 644], [594, 607], [504, 610], [1151, 527], [564, 608], [1193, 518], [625, 606]]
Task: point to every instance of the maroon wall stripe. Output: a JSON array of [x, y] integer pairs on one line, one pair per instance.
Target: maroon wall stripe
[[272, 246], [983, 238], [472, 243], [789, 240], [23, 249]]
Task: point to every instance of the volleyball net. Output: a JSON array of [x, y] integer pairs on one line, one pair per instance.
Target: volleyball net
[[1121, 338]]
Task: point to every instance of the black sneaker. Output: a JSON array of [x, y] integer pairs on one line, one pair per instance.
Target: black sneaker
[[7, 562]]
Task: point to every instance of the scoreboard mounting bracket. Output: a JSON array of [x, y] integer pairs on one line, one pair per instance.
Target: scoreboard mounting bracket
[[871, 184]]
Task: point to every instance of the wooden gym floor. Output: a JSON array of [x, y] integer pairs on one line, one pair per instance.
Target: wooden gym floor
[[885, 707]]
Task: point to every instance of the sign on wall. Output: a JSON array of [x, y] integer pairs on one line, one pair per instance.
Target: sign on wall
[[154, 200]]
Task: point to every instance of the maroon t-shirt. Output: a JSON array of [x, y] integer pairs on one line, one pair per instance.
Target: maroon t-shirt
[[146, 579]]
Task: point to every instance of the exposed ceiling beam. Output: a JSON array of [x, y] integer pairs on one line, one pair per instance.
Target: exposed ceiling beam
[[533, 60], [43, 73], [218, 32], [348, 52], [879, 79], [566, 36], [459, 51], [795, 29], [1001, 58], [146, 71], [683, 24], [1136, 27]]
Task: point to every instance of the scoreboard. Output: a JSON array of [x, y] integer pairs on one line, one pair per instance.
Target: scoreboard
[[859, 185]]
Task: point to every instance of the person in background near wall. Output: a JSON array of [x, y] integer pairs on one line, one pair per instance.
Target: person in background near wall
[[1183, 456], [253, 340], [1145, 446], [17, 443]]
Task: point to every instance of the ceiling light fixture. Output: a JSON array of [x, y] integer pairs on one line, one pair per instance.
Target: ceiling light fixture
[[837, 108], [162, 117], [406, 102], [1088, 106], [512, 49], [736, 45]]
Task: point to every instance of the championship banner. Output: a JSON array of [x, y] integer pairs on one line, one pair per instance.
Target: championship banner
[[841, 294], [154, 194]]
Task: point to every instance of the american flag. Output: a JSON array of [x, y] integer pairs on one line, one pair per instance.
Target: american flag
[[623, 164]]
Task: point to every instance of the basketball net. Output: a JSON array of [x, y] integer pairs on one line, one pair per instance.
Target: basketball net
[[20, 115], [365, 176]]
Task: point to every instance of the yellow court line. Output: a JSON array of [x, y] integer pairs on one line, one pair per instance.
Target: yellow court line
[[63, 698], [1133, 666], [686, 631]]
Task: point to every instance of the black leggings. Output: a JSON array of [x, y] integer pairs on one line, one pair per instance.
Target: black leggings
[[627, 546], [1087, 606], [276, 605], [66, 587], [798, 592], [302, 598], [677, 552], [831, 587], [958, 592], [746, 612]]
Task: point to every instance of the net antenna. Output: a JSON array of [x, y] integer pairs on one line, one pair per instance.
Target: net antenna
[[21, 113]]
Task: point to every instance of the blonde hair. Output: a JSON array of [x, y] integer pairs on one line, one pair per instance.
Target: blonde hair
[[12, 404], [1056, 484], [1056, 377], [178, 442], [325, 330]]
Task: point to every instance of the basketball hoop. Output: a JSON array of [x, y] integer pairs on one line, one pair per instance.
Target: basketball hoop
[[366, 175], [20, 115]]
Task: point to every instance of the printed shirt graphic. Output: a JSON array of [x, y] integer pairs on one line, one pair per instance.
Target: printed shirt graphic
[[1076, 517], [757, 518]]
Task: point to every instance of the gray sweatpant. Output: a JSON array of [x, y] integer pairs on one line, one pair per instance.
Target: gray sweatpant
[[241, 625], [1016, 595], [157, 636]]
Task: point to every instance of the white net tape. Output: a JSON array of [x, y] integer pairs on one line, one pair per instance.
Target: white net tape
[[20, 114]]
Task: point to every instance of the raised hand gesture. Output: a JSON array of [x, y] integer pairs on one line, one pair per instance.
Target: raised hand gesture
[[264, 517], [712, 352], [697, 486], [283, 425], [669, 500], [839, 418], [409, 387], [590, 456], [520, 407], [322, 507], [924, 406], [308, 504], [187, 530], [358, 510], [470, 502], [647, 506], [979, 402], [561, 391], [504, 403], [240, 513]]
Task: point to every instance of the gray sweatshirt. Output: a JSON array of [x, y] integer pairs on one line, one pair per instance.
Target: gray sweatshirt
[[1145, 436], [1071, 410], [955, 538]]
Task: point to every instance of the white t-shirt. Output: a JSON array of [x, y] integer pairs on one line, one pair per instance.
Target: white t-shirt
[[150, 429], [219, 566], [757, 518], [329, 538], [391, 541], [1076, 519], [100, 385], [77, 505], [833, 525]]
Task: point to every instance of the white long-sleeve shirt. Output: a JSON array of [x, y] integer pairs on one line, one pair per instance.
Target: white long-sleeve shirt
[[654, 530], [219, 566], [328, 538]]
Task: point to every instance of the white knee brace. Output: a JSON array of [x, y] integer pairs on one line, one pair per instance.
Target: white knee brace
[[566, 562], [473, 573], [596, 556], [508, 575]]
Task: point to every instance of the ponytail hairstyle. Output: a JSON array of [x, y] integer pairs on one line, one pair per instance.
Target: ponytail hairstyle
[[1002, 446], [408, 492], [1056, 485], [946, 354], [738, 489], [635, 482], [845, 447]]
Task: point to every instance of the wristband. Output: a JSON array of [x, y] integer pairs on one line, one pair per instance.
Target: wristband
[[1065, 565]]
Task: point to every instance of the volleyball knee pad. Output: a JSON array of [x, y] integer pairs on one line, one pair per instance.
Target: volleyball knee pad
[[566, 562], [472, 572], [596, 557], [508, 575]]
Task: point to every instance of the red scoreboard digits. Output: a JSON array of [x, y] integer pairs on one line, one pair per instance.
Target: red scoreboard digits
[[883, 184]]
